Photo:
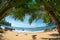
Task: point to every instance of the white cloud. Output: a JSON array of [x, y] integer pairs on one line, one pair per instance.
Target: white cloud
[[42, 25], [17, 23], [28, 25]]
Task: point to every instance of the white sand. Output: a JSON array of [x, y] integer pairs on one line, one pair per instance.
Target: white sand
[[10, 35]]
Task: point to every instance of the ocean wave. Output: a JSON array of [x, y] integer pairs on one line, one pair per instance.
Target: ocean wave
[[27, 31]]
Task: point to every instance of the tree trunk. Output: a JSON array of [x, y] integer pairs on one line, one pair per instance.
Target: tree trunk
[[53, 17], [2, 13]]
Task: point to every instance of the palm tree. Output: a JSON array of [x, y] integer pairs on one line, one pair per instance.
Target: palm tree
[[18, 8], [4, 23]]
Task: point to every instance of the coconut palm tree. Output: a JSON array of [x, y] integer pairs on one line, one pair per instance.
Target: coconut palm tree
[[4, 23], [48, 10]]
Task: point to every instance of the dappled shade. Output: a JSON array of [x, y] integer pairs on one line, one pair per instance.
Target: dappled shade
[[48, 10]]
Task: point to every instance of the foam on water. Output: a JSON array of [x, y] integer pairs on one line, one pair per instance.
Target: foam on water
[[27, 31]]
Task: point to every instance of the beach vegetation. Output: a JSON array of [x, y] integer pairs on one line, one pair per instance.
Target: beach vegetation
[[48, 10]]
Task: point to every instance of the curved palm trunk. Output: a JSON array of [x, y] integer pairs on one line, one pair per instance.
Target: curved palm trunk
[[53, 17], [2, 13]]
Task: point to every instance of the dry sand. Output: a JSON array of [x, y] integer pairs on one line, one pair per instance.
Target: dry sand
[[10, 35]]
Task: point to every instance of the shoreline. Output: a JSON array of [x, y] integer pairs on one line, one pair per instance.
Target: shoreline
[[13, 35], [27, 31]]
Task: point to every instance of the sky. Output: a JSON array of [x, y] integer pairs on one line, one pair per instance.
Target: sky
[[25, 23]]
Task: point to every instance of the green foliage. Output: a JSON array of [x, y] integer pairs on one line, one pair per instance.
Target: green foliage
[[32, 18], [18, 8], [4, 23], [6, 29], [19, 14], [46, 18], [38, 16]]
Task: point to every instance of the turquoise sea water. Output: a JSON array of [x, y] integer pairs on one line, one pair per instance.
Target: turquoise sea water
[[34, 29]]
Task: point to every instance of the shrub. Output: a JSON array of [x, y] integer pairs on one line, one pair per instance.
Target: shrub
[[6, 29]]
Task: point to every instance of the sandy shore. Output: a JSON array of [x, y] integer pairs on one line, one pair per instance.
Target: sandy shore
[[10, 35]]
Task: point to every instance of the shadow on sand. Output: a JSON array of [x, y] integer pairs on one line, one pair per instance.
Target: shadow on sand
[[50, 38], [1, 37], [56, 37], [34, 37]]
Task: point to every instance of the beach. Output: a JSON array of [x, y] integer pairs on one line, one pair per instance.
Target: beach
[[11, 35]]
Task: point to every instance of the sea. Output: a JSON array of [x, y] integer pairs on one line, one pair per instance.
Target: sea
[[34, 29]]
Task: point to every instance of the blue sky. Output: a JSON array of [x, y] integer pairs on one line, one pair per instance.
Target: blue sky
[[25, 23]]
